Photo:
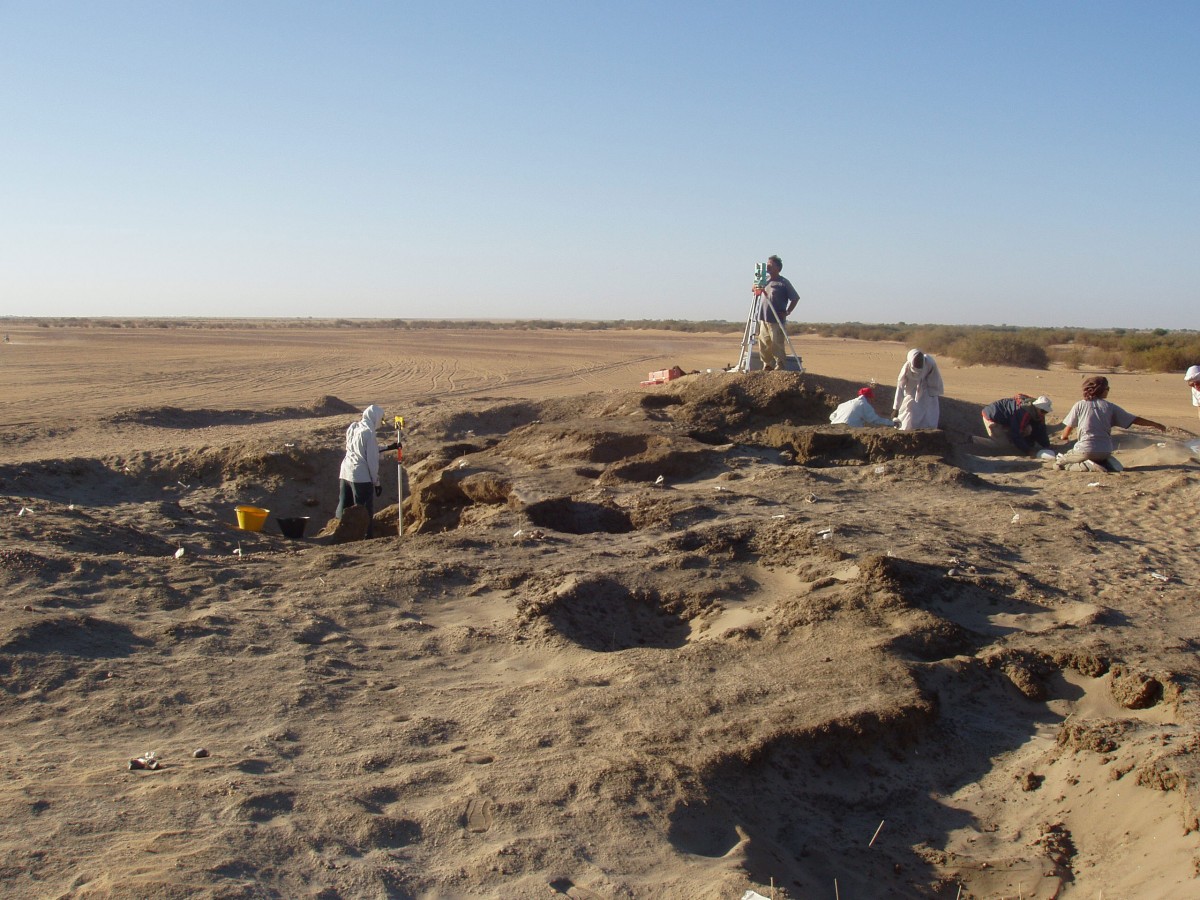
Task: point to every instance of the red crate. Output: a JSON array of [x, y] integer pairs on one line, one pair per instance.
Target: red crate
[[663, 375]]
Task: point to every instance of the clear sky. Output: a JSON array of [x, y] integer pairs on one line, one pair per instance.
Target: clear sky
[[1028, 163]]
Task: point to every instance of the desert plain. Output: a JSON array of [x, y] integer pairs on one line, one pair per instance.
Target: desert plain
[[680, 641]]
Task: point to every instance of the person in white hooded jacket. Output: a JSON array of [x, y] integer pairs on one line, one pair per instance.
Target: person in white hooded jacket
[[359, 475], [917, 391]]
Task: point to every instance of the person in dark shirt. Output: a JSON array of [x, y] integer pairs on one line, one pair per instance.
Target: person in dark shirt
[[781, 298], [1022, 419]]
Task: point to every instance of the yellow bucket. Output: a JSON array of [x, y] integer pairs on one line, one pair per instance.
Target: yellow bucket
[[252, 518]]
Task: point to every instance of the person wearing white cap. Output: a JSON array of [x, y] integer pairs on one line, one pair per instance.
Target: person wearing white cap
[[1022, 419], [1193, 379]]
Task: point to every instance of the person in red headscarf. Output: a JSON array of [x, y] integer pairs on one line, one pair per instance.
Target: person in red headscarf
[[858, 413], [1095, 417]]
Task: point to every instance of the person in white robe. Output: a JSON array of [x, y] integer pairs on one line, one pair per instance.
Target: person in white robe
[[858, 413], [917, 391]]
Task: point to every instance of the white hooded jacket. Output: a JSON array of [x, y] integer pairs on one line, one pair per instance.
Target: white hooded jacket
[[361, 463]]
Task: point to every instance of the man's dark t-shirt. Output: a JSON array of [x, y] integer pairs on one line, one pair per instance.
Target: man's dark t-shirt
[[780, 294]]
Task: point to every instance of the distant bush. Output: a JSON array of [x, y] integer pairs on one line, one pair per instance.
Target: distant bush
[[991, 348], [1072, 357], [1048, 337], [1164, 358], [938, 339]]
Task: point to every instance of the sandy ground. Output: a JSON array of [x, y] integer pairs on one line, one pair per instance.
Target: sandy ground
[[683, 641]]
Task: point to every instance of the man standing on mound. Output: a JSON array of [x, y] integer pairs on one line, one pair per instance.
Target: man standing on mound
[[359, 476], [781, 297]]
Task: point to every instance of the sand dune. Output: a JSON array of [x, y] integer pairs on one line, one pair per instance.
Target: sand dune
[[804, 657]]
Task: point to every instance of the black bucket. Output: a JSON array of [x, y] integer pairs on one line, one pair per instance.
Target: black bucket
[[293, 526]]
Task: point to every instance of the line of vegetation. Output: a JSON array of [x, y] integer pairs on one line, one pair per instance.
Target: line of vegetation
[[1111, 349]]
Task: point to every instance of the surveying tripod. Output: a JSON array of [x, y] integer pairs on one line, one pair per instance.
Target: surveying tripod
[[748, 358]]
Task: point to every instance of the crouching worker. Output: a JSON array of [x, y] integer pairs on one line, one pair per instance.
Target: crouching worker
[[359, 475], [1094, 416], [1020, 420], [858, 413]]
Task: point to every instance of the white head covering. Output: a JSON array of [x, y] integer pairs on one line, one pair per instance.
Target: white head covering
[[372, 416], [1193, 374], [361, 462], [925, 366], [1043, 403]]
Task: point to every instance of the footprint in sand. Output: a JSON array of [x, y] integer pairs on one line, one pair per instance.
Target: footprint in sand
[[477, 816], [387, 833], [266, 806], [253, 766], [571, 889]]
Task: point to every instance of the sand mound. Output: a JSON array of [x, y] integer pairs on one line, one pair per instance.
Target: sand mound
[[174, 417], [673, 643]]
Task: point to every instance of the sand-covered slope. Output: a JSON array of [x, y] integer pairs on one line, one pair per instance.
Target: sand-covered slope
[[673, 643]]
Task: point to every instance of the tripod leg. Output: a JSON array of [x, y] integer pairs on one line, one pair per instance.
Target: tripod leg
[[746, 354], [787, 340]]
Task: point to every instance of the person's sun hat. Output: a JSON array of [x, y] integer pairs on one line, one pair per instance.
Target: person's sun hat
[[1043, 403], [866, 392], [1193, 374]]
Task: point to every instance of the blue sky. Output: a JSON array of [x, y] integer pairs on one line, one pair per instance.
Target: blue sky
[[1028, 163]]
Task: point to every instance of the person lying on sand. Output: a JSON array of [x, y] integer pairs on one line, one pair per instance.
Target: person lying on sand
[[858, 413], [1095, 417], [1019, 420], [358, 483]]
